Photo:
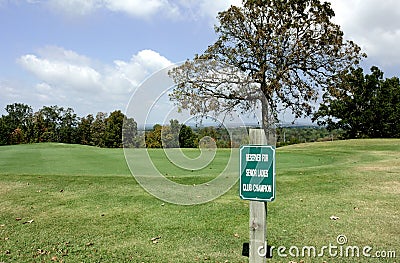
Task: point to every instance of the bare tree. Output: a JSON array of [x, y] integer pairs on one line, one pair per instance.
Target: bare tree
[[289, 50]]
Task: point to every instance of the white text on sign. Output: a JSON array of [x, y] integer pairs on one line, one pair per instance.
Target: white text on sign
[[257, 173], [257, 188], [256, 157]]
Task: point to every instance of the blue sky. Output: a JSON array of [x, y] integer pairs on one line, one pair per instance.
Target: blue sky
[[91, 55]]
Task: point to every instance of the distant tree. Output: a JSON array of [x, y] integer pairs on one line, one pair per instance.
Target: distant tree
[[84, 130], [38, 127], [20, 115], [17, 123], [219, 135], [4, 131], [215, 134], [113, 131], [287, 49], [362, 105], [68, 126], [98, 129], [130, 133], [17, 136], [208, 131], [153, 137], [170, 134], [51, 117], [187, 138]]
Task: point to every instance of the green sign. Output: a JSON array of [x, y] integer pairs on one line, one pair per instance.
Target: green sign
[[257, 173]]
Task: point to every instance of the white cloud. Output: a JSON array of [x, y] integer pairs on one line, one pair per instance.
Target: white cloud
[[14, 91], [66, 77], [176, 9], [56, 53], [130, 74], [374, 25], [74, 7], [211, 7], [193, 9], [8, 92], [46, 94], [43, 87], [134, 8], [150, 59], [61, 73], [139, 8]]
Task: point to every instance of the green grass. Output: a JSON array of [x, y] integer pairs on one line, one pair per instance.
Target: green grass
[[190, 177], [87, 207]]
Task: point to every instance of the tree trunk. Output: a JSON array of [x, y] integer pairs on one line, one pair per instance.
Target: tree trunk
[[268, 121]]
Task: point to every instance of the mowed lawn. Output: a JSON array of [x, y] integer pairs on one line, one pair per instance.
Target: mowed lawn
[[72, 203]]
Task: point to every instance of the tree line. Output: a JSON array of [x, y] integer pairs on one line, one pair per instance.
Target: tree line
[[362, 105], [62, 125], [180, 135], [114, 130]]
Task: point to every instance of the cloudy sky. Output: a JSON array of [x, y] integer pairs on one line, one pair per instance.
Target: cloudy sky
[[92, 54]]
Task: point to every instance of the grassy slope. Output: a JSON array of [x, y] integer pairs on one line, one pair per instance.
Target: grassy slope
[[87, 207]]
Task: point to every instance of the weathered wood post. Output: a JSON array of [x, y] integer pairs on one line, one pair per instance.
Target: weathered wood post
[[258, 212], [257, 184]]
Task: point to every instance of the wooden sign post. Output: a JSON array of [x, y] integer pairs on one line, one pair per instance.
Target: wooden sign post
[[257, 184]]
